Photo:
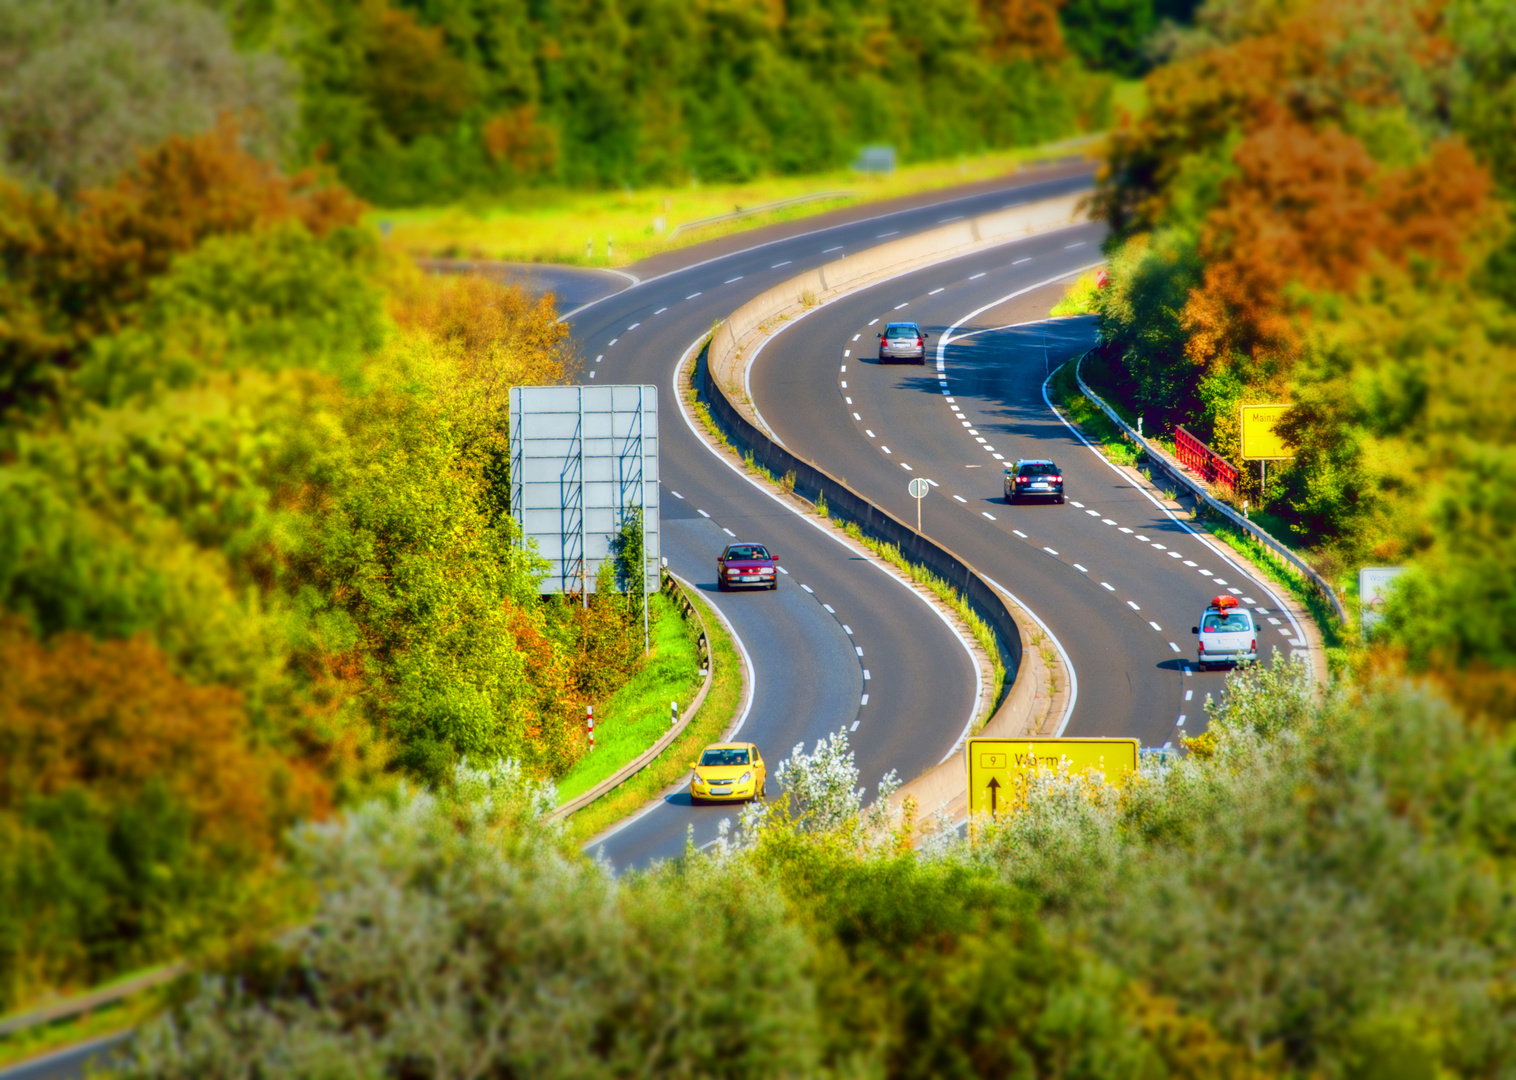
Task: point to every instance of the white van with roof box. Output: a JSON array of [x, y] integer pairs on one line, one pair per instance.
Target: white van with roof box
[[1227, 634]]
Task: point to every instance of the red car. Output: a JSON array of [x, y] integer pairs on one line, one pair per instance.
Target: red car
[[747, 566]]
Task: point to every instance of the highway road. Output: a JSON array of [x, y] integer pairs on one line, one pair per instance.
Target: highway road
[[1117, 579], [841, 644]]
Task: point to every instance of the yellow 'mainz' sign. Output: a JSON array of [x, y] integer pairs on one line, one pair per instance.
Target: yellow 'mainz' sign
[[1258, 438], [998, 768]]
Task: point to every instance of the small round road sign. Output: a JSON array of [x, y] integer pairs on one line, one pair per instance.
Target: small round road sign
[[919, 488]]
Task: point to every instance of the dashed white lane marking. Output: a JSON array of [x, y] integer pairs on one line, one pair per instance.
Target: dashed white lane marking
[[857, 417], [1180, 721], [966, 423], [849, 400], [980, 439], [831, 611], [886, 449], [979, 275], [1133, 605], [1173, 554], [702, 513], [1273, 622], [881, 236], [1144, 539], [592, 374], [828, 251], [1107, 585], [675, 494], [1188, 694], [1205, 573], [934, 292], [1081, 569], [998, 457], [807, 588], [660, 311], [1078, 504], [873, 321], [1189, 562], [729, 532], [858, 649], [1018, 262], [1019, 533], [1286, 631], [613, 341], [1160, 547], [1262, 610], [634, 326], [899, 306], [855, 726], [1124, 529], [972, 431], [988, 447], [600, 358], [906, 467], [1049, 550], [944, 221], [1106, 521], [1187, 672], [692, 296], [866, 675], [961, 499], [866, 431], [987, 514], [1235, 592], [846, 629], [949, 401], [844, 384], [1092, 513], [1218, 581], [865, 700], [1173, 646], [934, 483], [1249, 601], [776, 266], [783, 571], [730, 280], [857, 336], [1155, 626], [1075, 244]]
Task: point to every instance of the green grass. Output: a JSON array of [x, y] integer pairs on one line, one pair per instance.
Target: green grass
[[1078, 299], [637, 715], [552, 225], [716, 713], [1109, 439], [1130, 96], [117, 1016]]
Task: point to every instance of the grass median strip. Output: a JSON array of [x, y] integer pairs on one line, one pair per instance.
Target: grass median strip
[[716, 713], [637, 715]]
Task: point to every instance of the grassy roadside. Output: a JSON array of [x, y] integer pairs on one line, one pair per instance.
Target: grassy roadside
[[716, 713], [637, 715], [107, 1019], [554, 225]]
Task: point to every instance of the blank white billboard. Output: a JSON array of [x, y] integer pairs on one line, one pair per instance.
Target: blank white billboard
[[582, 459]]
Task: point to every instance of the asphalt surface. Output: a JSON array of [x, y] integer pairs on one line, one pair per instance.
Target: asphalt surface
[[810, 678], [1118, 580]]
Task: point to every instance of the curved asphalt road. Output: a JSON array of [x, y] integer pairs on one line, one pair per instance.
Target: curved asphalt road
[[841, 644], [1117, 580]]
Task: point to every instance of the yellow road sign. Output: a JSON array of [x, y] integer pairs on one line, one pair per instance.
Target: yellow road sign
[[998, 767], [1258, 437]]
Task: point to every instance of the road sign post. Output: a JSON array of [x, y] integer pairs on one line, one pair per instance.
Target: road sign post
[[918, 489], [999, 768]]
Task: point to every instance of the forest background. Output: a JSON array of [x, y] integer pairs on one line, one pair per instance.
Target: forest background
[[256, 569]]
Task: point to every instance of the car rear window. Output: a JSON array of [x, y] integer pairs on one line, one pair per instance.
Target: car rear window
[[1038, 468], [752, 551], [901, 332], [1236, 622], [724, 757]]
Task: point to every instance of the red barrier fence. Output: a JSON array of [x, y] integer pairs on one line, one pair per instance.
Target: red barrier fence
[[1204, 462]]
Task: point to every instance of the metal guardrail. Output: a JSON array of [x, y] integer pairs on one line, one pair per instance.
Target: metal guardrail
[[88, 1002], [1175, 470]]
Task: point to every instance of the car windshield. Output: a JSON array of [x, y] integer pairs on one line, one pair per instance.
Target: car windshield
[[747, 551], [902, 332], [1038, 468], [1235, 623], [724, 757]]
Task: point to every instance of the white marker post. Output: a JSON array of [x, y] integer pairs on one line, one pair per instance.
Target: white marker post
[[590, 712], [673, 712], [918, 489]]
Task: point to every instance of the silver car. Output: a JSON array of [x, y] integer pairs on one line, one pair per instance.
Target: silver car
[[902, 341], [1227, 635]]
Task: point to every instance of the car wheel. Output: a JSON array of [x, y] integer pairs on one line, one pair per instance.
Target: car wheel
[[1060, 500], [721, 585], [774, 585]]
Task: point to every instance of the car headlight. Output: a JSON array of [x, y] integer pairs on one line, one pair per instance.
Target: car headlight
[[745, 778], [696, 779]]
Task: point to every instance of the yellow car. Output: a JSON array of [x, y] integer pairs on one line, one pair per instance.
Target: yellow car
[[728, 771]]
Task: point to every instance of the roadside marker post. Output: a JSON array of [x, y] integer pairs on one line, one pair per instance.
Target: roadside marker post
[[918, 489], [590, 712], [673, 712]]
